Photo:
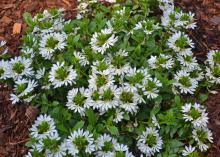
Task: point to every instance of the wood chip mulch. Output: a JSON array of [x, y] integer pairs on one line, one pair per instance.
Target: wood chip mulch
[[16, 119]]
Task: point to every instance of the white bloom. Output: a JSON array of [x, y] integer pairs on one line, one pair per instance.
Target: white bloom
[[202, 136], [188, 150], [111, 1], [181, 43], [103, 67], [185, 20], [83, 61], [213, 74], [195, 114], [4, 70], [213, 57], [29, 52], [40, 73], [57, 151], [128, 100], [62, 75], [3, 48], [100, 80], [147, 26], [151, 87], [22, 90], [118, 116], [135, 78], [50, 43], [80, 140], [108, 98], [150, 142], [119, 62], [188, 61], [100, 42], [155, 122], [43, 127], [77, 100], [20, 66], [107, 142], [184, 82], [164, 61], [122, 150]]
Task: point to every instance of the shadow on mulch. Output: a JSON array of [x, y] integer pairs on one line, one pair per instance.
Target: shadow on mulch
[[15, 120]]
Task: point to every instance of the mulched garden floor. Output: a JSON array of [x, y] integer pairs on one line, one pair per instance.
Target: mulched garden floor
[[16, 119]]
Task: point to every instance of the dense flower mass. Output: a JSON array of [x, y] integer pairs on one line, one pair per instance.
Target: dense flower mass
[[116, 81]]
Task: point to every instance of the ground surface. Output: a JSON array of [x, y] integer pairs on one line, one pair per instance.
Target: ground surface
[[15, 120]]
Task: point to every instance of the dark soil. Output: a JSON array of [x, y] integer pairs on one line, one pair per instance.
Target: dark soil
[[15, 120]]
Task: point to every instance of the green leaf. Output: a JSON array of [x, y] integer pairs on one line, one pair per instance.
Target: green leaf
[[113, 130], [28, 19], [79, 125], [203, 97], [91, 116]]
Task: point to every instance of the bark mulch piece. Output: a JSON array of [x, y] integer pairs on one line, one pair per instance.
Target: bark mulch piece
[[16, 119], [207, 37], [14, 123]]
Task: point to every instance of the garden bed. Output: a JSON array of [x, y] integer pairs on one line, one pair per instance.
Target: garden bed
[[15, 120]]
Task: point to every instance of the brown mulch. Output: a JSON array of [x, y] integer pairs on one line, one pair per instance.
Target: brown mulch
[[16, 119]]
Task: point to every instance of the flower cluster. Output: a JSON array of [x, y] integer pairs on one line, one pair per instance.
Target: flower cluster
[[113, 75]]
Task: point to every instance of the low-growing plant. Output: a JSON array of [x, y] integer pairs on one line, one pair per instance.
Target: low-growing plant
[[117, 81]]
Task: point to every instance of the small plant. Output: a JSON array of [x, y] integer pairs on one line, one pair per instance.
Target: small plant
[[116, 81]]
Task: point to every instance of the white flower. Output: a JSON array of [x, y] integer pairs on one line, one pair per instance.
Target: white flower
[[58, 150], [83, 61], [3, 48], [80, 140], [135, 78], [118, 116], [43, 127], [29, 52], [102, 41], [20, 66], [122, 150], [185, 20], [128, 100], [102, 67], [22, 90], [147, 26], [195, 114], [202, 136], [213, 74], [108, 98], [181, 43], [40, 73], [164, 61], [107, 142], [155, 122], [77, 100], [151, 87], [100, 80], [119, 62], [188, 61], [50, 43], [62, 75], [111, 1], [150, 142], [184, 82], [188, 150], [213, 58], [4, 70]]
